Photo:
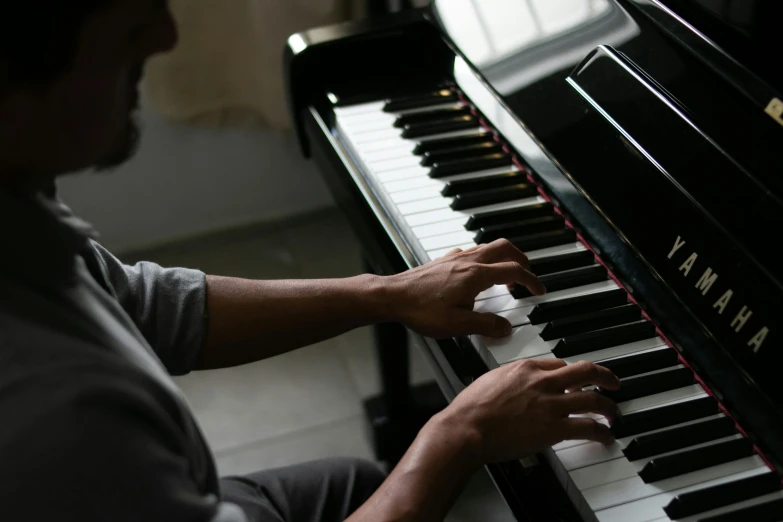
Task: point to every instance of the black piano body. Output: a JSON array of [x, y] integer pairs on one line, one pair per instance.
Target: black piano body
[[654, 127]]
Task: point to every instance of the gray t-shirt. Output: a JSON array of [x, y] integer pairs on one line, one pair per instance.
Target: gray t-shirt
[[93, 427]]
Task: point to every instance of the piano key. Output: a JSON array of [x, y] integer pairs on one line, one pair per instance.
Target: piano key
[[484, 162], [652, 508], [620, 469], [584, 455], [567, 279], [493, 196], [393, 187], [556, 250], [435, 127], [481, 220], [564, 308], [654, 444], [680, 463], [640, 363], [619, 351], [768, 508], [398, 150], [502, 179], [436, 229], [634, 488], [445, 240], [424, 205], [657, 418], [544, 239], [520, 228], [561, 263], [437, 254], [523, 343], [392, 164], [401, 174], [436, 113], [659, 382], [698, 501], [506, 303], [591, 321], [466, 140], [416, 194], [488, 146], [634, 405], [421, 100], [613, 336], [359, 108], [494, 291], [443, 214]]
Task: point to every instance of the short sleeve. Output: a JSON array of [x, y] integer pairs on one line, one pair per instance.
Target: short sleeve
[[104, 450], [168, 306]]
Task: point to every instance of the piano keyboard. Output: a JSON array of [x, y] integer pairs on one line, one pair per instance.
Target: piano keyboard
[[676, 455]]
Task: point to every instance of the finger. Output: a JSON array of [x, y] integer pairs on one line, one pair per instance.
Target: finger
[[504, 250], [486, 324], [511, 272], [453, 252], [548, 364], [583, 428], [586, 402], [581, 374]]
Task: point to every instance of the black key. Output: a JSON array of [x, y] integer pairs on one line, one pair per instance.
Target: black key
[[655, 419], [479, 163], [493, 196], [640, 363], [492, 181], [521, 228], [549, 265], [562, 308], [427, 146], [661, 468], [478, 149], [646, 385], [432, 128], [591, 321], [498, 217], [694, 502], [771, 511], [678, 438], [421, 100], [564, 280], [606, 338], [427, 116]]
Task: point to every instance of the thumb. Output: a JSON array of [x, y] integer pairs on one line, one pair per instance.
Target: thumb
[[487, 324]]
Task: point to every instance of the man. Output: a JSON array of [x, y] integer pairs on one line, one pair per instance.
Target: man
[[93, 427]]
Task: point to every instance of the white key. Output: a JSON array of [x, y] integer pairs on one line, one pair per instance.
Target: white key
[[362, 138], [495, 291], [437, 229], [376, 146], [632, 489], [394, 164], [651, 508], [403, 150], [368, 123], [447, 240], [437, 254], [523, 343], [444, 214], [621, 468], [620, 351], [361, 108], [363, 117], [416, 195], [401, 174], [643, 403], [410, 184], [556, 250], [503, 303], [424, 205]]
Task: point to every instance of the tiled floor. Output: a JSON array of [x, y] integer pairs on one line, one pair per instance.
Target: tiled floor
[[306, 404]]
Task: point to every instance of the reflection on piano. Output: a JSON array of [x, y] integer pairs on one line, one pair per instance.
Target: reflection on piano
[[628, 147]]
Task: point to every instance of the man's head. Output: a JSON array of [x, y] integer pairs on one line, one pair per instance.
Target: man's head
[[69, 74]]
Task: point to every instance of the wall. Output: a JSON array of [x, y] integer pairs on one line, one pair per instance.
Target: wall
[[186, 181]]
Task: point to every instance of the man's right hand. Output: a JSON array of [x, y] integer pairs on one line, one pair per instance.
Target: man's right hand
[[524, 407]]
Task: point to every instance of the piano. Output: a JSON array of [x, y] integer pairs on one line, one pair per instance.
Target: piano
[[634, 150]]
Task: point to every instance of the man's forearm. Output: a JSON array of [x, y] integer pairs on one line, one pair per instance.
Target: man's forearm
[[429, 478], [253, 320]]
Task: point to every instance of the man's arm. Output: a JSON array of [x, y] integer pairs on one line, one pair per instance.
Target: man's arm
[[253, 320], [509, 413]]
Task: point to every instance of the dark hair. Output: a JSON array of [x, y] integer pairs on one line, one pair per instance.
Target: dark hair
[[39, 38]]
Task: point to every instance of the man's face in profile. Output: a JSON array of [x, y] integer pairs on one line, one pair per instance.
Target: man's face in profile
[[85, 117]]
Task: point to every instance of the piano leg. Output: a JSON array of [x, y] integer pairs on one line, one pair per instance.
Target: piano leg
[[400, 411]]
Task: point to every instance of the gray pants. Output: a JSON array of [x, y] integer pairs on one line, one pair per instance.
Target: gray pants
[[321, 491]]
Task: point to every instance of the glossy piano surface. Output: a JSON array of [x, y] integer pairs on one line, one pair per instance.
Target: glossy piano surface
[[662, 144]]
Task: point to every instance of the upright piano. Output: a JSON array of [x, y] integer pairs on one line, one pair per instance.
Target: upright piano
[[634, 150]]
